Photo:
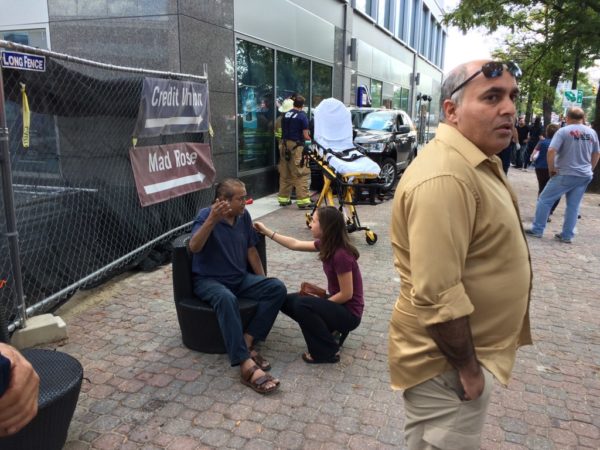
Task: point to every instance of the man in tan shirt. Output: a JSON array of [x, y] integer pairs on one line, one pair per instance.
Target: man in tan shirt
[[463, 261]]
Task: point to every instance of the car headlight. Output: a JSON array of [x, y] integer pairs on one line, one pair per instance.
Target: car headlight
[[375, 147]]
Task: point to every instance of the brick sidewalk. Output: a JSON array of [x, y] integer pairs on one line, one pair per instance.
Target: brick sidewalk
[[146, 390]]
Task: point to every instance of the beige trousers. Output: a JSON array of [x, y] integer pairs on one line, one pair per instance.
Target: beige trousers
[[290, 172], [436, 418]]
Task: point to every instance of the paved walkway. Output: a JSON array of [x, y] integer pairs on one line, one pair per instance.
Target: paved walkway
[[144, 389]]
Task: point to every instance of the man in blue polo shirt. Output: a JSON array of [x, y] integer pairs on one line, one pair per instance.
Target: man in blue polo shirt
[[223, 243], [293, 170]]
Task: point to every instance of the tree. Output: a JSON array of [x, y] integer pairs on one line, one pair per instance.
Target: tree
[[550, 39]]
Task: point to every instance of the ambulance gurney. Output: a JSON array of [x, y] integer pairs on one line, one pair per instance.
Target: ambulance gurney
[[347, 171]]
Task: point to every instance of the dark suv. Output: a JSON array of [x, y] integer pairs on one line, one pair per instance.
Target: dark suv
[[358, 114], [389, 138]]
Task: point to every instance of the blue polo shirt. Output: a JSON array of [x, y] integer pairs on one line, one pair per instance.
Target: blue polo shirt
[[224, 257], [293, 124]]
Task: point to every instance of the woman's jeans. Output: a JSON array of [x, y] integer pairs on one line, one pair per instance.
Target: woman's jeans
[[268, 292], [574, 188]]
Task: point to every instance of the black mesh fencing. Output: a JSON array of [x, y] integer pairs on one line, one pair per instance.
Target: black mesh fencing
[[79, 218]]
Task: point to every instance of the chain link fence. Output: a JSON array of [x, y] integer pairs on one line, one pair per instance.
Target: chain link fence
[[78, 215]]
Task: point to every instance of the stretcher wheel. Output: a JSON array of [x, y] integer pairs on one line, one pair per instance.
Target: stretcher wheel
[[370, 237], [308, 219]]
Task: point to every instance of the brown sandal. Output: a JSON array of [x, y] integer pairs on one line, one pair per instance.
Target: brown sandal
[[261, 362], [259, 385]]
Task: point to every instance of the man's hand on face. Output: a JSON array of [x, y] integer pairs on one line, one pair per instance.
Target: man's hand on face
[[472, 380], [219, 210]]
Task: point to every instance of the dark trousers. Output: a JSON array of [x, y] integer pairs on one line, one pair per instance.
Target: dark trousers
[[505, 155], [268, 292], [543, 175], [318, 318]]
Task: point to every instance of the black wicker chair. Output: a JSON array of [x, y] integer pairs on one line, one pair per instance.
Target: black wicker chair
[[200, 329], [60, 382]]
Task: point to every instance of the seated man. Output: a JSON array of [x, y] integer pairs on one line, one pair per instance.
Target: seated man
[[223, 242], [19, 403]]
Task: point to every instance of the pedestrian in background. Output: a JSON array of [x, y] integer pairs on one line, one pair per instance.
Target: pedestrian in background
[[523, 132], [572, 156], [535, 133], [540, 161], [507, 154], [464, 264]]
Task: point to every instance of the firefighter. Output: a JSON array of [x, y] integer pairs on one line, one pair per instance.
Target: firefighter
[[293, 169]]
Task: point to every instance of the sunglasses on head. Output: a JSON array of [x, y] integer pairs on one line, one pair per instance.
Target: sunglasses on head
[[492, 69]]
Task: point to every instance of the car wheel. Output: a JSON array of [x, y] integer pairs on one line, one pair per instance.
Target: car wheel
[[388, 173]]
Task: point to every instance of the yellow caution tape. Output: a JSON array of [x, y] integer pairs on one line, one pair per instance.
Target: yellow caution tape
[[26, 117]]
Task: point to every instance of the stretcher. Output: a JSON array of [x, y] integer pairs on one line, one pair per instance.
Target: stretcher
[[347, 171]]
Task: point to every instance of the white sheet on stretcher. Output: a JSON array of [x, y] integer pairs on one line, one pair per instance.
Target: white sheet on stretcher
[[362, 166], [333, 130], [333, 125]]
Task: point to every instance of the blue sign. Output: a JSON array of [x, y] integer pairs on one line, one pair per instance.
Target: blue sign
[[23, 61]]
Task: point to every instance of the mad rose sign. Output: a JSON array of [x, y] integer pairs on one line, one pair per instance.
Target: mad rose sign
[[163, 172], [166, 171]]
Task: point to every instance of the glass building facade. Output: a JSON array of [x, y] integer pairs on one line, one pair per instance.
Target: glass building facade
[[266, 77], [257, 53]]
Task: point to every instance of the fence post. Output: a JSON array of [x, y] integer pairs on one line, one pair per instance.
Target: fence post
[[12, 234]]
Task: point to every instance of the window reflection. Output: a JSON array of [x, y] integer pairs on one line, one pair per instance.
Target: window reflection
[[376, 87], [321, 83], [255, 106], [293, 75]]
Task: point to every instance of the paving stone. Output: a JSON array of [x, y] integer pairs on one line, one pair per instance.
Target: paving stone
[[146, 390]]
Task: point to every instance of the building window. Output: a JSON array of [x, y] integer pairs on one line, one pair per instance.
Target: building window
[[255, 70], [293, 76], [321, 83], [365, 6], [376, 87], [403, 14], [432, 39], [385, 16], [414, 33], [424, 44], [404, 99], [442, 50]]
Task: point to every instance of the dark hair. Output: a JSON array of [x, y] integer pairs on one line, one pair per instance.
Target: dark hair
[[334, 233], [224, 189], [551, 130], [298, 101]]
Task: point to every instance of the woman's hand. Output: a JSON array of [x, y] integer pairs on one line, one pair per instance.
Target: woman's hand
[[261, 228]]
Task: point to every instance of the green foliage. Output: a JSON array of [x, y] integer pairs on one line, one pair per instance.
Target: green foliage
[[547, 38]]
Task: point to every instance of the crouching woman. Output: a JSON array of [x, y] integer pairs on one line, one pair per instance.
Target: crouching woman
[[342, 309]]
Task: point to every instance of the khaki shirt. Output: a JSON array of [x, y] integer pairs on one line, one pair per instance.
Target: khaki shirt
[[460, 250]]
